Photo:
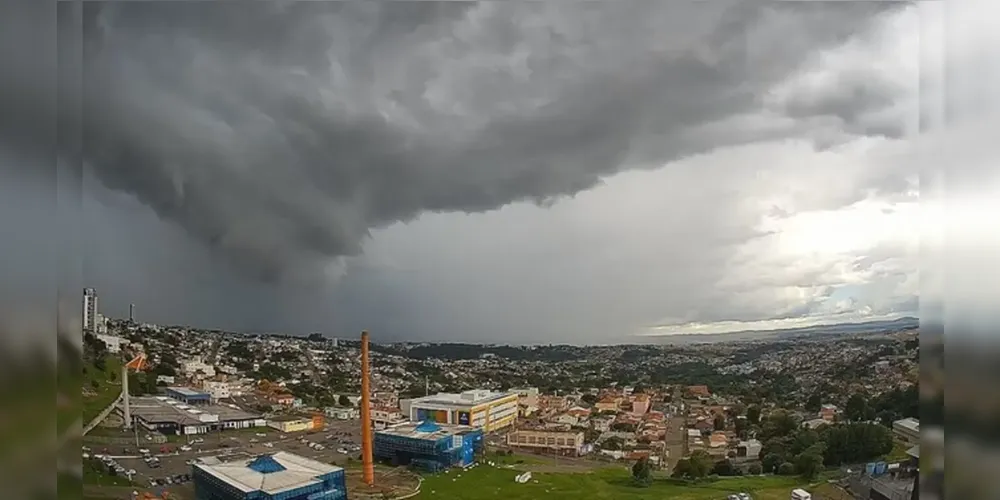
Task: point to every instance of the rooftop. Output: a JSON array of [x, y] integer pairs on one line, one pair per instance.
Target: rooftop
[[187, 391], [163, 409], [467, 398], [270, 474], [909, 423], [426, 430]]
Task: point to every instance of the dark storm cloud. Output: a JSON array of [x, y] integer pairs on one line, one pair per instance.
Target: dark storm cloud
[[281, 134]]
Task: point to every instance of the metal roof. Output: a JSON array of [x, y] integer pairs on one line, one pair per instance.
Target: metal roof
[[295, 472]]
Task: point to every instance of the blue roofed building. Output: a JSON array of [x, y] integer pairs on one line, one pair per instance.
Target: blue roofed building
[[280, 476], [428, 445], [188, 396]]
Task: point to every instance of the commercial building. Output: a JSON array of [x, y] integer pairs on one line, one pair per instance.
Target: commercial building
[[281, 476], [551, 441], [428, 445], [907, 429], [188, 396], [170, 416], [487, 410], [296, 424]]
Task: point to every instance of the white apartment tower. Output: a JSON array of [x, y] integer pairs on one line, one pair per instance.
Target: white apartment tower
[[89, 310]]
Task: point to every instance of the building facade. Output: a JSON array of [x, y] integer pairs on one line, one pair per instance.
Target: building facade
[[292, 424], [487, 410], [89, 310], [281, 476], [556, 442], [188, 396], [428, 445]]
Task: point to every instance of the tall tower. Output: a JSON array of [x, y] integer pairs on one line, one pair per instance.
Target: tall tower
[[131, 313], [89, 310], [367, 461]]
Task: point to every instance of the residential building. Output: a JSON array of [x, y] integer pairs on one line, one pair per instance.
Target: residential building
[[217, 390], [342, 413], [90, 310], [749, 449], [479, 408], [383, 417], [698, 391], [907, 429], [828, 412], [527, 395], [112, 343], [552, 441], [640, 404], [283, 476], [428, 445], [608, 404]]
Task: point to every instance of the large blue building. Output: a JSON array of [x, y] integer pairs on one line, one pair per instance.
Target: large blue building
[[428, 445], [281, 476]]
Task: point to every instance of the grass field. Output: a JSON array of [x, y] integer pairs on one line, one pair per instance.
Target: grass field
[[108, 387], [612, 484], [898, 452]]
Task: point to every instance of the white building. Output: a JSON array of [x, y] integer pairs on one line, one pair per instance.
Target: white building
[[89, 310], [194, 365], [218, 390], [112, 343], [907, 429], [479, 408]]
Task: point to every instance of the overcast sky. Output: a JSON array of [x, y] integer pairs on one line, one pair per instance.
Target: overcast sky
[[498, 172]]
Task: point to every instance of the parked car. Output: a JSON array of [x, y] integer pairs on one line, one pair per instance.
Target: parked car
[[268, 445], [185, 448], [144, 451]]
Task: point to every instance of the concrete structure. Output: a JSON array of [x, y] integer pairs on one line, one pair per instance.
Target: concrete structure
[[189, 396], [528, 395], [552, 441], [281, 476], [479, 408], [170, 416], [750, 449], [428, 445], [907, 429], [386, 417], [342, 413], [111, 343], [89, 311]]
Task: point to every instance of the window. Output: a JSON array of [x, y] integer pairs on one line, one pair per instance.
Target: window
[[560, 441]]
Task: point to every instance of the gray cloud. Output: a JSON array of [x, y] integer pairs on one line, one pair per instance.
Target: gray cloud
[[280, 135]]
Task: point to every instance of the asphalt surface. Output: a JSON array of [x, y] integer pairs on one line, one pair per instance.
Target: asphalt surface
[[234, 445]]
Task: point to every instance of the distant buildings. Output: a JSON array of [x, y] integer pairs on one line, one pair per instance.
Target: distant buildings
[[828, 412], [111, 343], [428, 445], [170, 416], [478, 408], [283, 476]]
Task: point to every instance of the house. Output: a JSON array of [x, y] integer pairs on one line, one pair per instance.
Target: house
[[640, 404], [601, 424], [749, 448], [828, 412], [608, 404], [698, 391], [717, 439]]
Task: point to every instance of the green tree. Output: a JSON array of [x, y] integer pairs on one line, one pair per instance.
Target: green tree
[[613, 443], [343, 400], [779, 423], [771, 462], [720, 422], [814, 402], [741, 427], [588, 398], [786, 469], [856, 408], [723, 468], [810, 462], [700, 463], [755, 469], [753, 414], [642, 472]]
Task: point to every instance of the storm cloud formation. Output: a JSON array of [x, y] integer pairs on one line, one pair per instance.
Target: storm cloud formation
[[281, 134]]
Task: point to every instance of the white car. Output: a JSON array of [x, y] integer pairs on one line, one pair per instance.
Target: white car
[[261, 434], [144, 451], [268, 445], [185, 448], [198, 440]]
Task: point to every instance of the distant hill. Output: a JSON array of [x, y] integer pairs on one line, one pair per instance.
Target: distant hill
[[904, 323]]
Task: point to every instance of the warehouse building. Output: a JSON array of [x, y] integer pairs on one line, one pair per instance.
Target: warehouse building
[[281, 476], [188, 396], [487, 410], [296, 424], [428, 445], [170, 416]]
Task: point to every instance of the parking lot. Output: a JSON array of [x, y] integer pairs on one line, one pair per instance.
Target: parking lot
[[336, 438]]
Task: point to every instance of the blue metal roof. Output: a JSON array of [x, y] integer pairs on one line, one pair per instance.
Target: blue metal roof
[[266, 465], [428, 426]]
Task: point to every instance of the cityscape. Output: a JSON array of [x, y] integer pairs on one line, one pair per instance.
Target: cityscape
[[180, 412]]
